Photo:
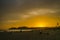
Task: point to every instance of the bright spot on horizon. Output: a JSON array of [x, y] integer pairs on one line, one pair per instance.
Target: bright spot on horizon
[[40, 24]]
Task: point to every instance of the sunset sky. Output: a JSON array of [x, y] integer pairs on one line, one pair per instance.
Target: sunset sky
[[31, 13]]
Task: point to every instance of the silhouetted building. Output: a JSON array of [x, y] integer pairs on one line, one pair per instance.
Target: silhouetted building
[[12, 28]]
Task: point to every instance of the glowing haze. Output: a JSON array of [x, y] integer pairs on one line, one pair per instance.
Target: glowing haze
[[30, 13]]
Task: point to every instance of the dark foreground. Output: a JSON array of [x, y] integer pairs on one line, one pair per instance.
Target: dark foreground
[[34, 35]]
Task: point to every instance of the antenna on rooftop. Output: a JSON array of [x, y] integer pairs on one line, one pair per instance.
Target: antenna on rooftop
[[58, 21]]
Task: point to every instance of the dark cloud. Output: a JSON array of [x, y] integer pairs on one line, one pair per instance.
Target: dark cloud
[[20, 5], [15, 7]]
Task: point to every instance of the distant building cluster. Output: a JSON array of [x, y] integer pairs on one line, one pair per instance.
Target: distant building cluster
[[26, 29], [20, 29]]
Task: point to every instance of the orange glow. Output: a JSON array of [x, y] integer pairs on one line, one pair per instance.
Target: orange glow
[[36, 21], [41, 24]]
